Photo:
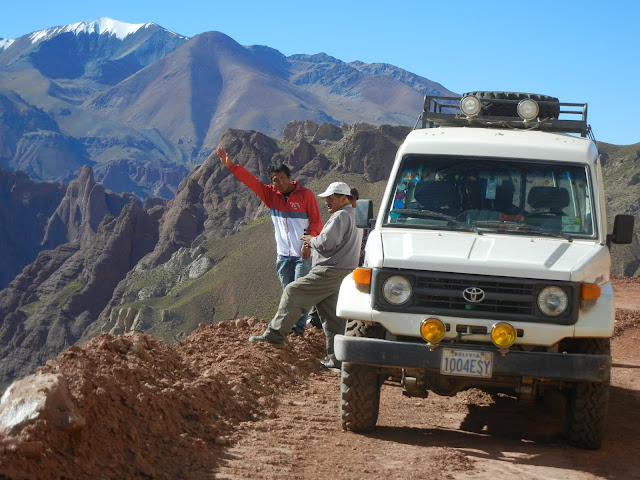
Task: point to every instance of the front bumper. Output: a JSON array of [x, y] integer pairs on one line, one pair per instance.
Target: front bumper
[[542, 365]]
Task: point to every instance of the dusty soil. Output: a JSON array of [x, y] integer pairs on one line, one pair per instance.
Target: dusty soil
[[215, 406]]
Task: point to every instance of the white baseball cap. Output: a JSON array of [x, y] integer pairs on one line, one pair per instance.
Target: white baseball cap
[[340, 188]]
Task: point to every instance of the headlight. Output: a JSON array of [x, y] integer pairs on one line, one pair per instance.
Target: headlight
[[470, 106], [396, 290], [553, 301], [528, 109]]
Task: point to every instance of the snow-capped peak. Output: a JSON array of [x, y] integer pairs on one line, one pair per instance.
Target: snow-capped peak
[[101, 26], [4, 43]]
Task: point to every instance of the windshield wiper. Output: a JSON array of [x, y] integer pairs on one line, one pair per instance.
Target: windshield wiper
[[520, 227], [437, 215]]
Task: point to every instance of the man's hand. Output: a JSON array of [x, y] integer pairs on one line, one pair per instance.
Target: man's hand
[[305, 251], [224, 157]]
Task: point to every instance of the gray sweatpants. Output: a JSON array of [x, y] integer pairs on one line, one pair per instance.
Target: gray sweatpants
[[318, 287]]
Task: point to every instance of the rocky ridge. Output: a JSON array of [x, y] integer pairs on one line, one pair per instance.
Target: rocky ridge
[[53, 302]]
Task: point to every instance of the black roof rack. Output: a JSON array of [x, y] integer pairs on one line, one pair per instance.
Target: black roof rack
[[445, 112]]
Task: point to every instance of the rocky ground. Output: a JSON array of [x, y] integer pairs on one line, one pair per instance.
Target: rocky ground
[[215, 406]]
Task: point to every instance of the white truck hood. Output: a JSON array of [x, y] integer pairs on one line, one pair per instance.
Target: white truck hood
[[493, 254]]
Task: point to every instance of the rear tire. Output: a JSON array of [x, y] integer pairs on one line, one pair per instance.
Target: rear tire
[[549, 110], [588, 402], [360, 386]]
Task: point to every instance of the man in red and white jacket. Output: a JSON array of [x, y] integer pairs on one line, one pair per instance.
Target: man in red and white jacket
[[294, 212]]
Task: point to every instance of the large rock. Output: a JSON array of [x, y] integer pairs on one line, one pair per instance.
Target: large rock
[[38, 398]]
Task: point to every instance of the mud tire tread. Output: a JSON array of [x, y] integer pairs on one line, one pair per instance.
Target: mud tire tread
[[588, 402], [359, 387]]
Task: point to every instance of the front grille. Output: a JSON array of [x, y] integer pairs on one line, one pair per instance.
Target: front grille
[[502, 298]]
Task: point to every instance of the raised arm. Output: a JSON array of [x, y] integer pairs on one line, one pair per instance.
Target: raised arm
[[224, 157]]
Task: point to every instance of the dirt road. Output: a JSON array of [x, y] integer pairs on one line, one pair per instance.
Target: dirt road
[[217, 406], [469, 436]]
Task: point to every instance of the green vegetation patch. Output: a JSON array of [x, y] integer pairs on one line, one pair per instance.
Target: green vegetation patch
[[65, 293]]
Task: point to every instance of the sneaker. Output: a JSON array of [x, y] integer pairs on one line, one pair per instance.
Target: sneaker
[[330, 365], [262, 338]]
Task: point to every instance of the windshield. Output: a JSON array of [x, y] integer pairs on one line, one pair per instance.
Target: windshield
[[486, 194]]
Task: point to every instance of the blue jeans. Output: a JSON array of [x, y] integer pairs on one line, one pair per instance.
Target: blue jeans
[[290, 269]]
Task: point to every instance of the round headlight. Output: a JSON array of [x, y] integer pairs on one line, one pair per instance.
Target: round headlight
[[503, 334], [432, 330], [396, 290], [470, 106], [528, 109], [553, 301]]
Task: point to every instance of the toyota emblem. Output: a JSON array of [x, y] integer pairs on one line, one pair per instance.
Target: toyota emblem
[[473, 294]]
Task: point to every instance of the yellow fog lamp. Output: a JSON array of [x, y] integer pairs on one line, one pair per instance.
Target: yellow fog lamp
[[503, 335], [528, 109], [470, 106], [432, 329]]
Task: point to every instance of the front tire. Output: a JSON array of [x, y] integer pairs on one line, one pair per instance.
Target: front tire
[[588, 402], [359, 387]]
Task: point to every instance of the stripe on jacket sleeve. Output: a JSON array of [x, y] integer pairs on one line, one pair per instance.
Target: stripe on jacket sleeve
[[280, 213]]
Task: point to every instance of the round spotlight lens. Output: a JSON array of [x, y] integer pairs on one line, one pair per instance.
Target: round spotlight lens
[[470, 106], [503, 334], [528, 109], [396, 290], [432, 330], [553, 301]]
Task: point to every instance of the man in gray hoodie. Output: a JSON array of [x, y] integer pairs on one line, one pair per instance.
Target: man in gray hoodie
[[335, 253]]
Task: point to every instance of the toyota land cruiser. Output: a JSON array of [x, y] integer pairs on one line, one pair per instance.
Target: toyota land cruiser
[[488, 263]]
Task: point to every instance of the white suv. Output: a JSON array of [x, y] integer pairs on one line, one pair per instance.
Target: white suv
[[488, 263]]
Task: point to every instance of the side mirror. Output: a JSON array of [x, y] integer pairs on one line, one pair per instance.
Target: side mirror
[[364, 213], [622, 230]]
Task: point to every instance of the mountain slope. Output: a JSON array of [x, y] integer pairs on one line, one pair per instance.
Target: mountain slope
[[133, 100], [25, 207], [212, 83], [209, 83]]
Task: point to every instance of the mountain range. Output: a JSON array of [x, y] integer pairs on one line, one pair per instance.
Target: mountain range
[[114, 217], [143, 105]]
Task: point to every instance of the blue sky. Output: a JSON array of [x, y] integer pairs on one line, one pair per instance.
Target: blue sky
[[578, 51]]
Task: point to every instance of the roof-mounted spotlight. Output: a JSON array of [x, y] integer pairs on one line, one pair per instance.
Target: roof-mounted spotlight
[[470, 106], [528, 109]]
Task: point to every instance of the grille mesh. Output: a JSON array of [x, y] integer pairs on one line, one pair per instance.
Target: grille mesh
[[503, 298]]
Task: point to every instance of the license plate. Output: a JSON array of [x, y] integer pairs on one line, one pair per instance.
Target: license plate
[[466, 363]]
